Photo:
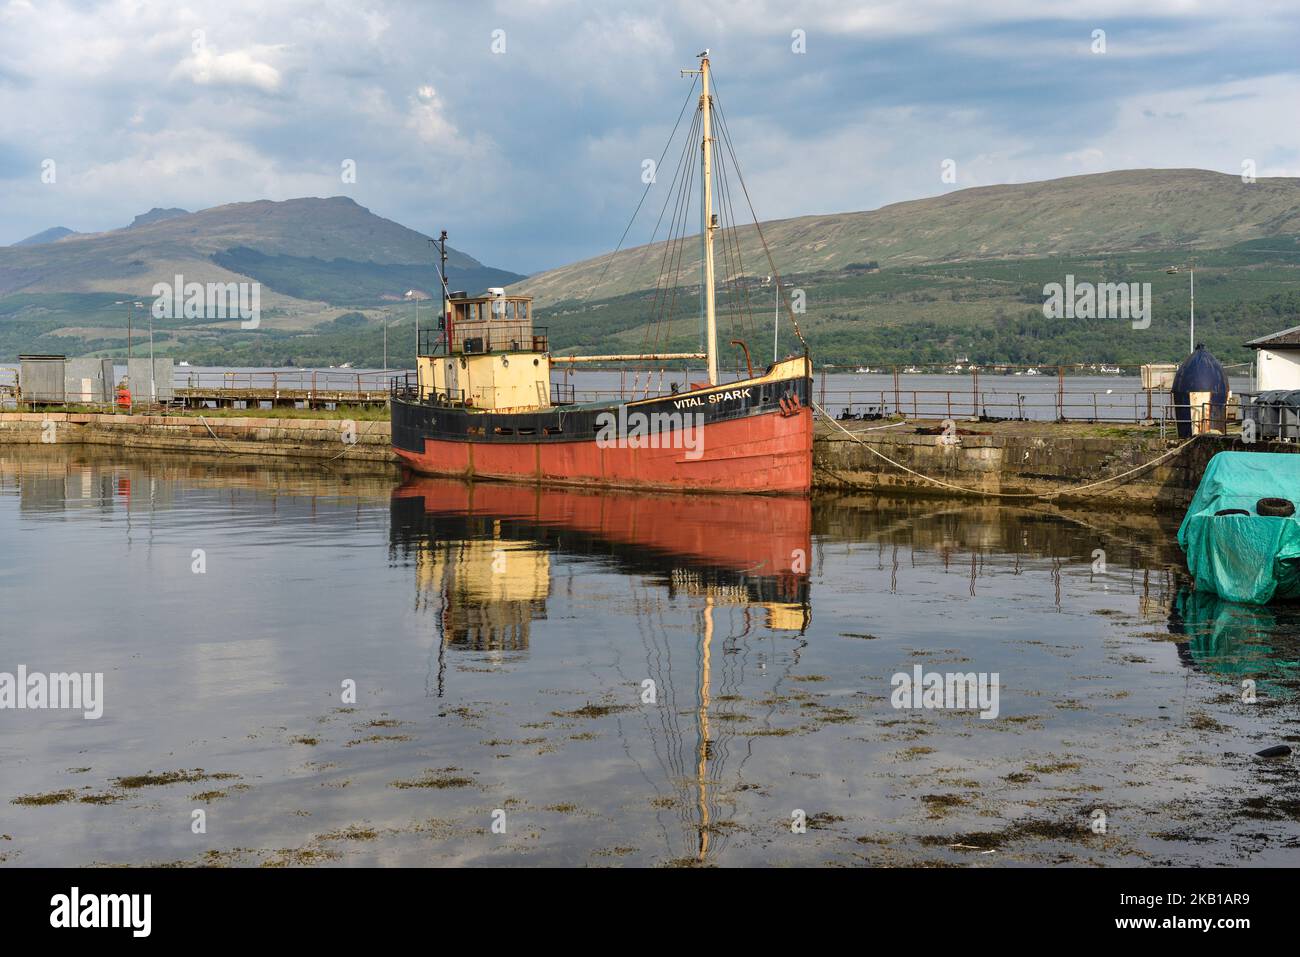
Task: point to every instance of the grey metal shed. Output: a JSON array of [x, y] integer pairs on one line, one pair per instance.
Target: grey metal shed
[[88, 380], [40, 378], [138, 371]]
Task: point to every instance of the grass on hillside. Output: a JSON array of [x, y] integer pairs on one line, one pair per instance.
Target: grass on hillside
[[990, 311]]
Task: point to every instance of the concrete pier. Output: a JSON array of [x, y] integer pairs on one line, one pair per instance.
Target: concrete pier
[[984, 460], [290, 437], [1017, 458]]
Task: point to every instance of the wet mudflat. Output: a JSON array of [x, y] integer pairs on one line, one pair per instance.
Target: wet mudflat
[[617, 680]]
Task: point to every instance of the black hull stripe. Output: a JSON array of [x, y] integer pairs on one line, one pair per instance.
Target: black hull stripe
[[414, 422]]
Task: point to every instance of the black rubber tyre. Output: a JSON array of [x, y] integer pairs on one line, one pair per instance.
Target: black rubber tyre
[[1231, 511], [1280, 507]]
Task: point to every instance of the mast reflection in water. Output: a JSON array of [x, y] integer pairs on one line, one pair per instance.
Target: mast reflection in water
[[483, 565]]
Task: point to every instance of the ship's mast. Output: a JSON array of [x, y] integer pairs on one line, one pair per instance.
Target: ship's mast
[[708, 223]]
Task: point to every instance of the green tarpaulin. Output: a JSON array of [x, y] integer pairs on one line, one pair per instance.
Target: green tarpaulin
[[1250, 558]]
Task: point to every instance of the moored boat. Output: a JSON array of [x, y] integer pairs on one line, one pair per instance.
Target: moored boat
[[482, 403], [1241, 535]]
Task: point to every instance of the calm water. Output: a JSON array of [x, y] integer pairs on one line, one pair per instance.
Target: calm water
[[503, 641]]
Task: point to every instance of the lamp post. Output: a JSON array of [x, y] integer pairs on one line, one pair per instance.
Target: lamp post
[[153, 389], [1190, 265], [386, 325], [414, 296], [130, 316]]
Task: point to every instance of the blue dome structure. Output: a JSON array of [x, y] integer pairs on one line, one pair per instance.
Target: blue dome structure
[[1200, 372]]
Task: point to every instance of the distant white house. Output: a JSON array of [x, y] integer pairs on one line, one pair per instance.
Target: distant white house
[[1277, 360]]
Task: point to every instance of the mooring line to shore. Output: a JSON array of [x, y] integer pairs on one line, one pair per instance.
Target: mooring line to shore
[[975, 491], [874, 428], [346, 447], [215, 436]]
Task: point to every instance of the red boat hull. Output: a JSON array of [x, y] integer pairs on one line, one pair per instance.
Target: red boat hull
[[765, 453]]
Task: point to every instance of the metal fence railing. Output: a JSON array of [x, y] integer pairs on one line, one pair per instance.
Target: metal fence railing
[[995, 405], [986, 398], [193, 387], [1274, 415], [986, 405], [306, 380]]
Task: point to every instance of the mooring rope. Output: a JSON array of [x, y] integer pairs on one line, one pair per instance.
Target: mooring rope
[[876, 428], [215, 436], [347, 447], [976, 491]]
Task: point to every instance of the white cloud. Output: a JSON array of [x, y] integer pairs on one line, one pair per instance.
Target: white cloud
[[237, 68], [1220, 125], [547, 140], [427, 120]]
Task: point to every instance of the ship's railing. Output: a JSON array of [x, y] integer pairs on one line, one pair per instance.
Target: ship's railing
[[406, 387], [431, 342], [562, 393], [476, 338]]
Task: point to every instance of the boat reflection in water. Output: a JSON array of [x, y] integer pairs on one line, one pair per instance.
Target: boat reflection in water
[[1236, 640], [485, 556]]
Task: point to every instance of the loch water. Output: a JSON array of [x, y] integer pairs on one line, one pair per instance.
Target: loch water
[[345, 668]]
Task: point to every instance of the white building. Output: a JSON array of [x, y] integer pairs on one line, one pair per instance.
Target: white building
[[1277, 360]]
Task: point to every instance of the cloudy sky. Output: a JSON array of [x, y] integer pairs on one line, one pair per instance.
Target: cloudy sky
[[530, 154]]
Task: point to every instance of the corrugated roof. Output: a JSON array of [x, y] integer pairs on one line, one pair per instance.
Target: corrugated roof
[[1287, 337]]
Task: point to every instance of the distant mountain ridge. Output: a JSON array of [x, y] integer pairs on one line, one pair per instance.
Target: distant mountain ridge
[[1096, 213], [164, 242], [53, 234], [315, 261], [157, 215]]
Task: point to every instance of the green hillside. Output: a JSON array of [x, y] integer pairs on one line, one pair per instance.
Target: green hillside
[[989, 310], [1126, 211], [913, 283], [315, 259]]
